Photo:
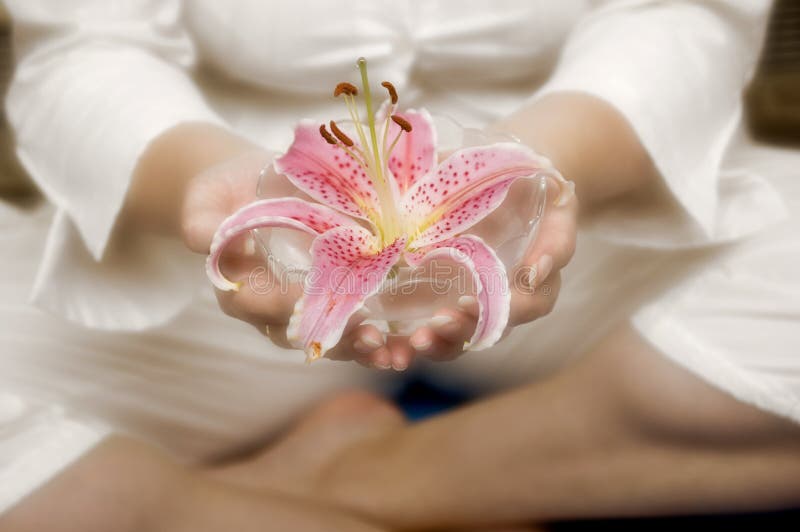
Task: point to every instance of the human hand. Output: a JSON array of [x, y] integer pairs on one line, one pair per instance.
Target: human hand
[[213, 195], [263, 300], [267, 303], [534, 285]]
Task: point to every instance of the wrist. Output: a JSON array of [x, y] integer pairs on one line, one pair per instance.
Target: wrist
[[155, 197], [589, 141]]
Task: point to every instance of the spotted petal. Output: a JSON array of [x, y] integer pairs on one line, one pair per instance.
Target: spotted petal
[[465, 188], [328, 174], [489, 275], [414, 155], [348, 266], [291, 213]]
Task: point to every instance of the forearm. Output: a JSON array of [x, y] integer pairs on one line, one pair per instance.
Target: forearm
[[621, 433], [589, 141], [155, 198], [124, 485]]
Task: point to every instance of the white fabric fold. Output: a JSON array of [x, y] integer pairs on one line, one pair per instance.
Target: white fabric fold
[[143, 283], [96, 82], [37, 442], [675, 71]]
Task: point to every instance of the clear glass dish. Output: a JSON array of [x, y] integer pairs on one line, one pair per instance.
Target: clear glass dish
[[410, 296]]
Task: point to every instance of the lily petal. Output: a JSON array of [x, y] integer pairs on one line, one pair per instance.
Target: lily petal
[[489, 274], [292, 213], [466, 187], [347, 268], [328, 174], [414, 155]]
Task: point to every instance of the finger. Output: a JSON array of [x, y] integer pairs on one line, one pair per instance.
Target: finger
[[469, 305], [452, 325], [358, 343], [219, 191], [402, 354], [276, 334], [262, 297], [445, 334], [427, 343], [556, 238], [527, 306], [381, 358]]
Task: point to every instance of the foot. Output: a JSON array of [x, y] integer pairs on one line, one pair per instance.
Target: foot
[[292, 464]]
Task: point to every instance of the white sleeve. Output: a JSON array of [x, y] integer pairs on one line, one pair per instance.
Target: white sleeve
[[676, 70], [36, 443], [95, 82]]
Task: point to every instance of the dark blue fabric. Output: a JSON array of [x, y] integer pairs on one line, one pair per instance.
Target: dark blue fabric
[[420, 398]]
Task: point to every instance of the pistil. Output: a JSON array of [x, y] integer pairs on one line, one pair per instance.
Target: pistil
[[391, 226]]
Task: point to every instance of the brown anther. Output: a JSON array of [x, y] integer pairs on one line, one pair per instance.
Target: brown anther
[[340, 134], [392, 91], [325, 135], [402, 122], [345, 88]]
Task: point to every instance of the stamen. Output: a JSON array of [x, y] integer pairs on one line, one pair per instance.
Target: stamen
[[345, 88], [394, 143], [347, 141], [325, 135], [402, 122], [392, 91], [352, 108], [355, 153]]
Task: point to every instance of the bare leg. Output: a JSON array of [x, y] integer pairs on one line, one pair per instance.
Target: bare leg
[[623, 432], [292, 464]]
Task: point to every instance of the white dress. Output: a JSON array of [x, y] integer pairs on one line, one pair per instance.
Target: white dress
[[96, 336]]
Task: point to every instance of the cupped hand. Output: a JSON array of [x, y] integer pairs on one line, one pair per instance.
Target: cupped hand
[[534, 285], [213, 195], [262, 300], [267, 302]]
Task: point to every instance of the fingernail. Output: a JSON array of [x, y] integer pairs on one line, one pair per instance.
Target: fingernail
[[361, 346], [400, 365], [566, 192], [372, 342], [532, 272], [544, 266], [466, 302], [420, 344], [382, 365], [440, 321]]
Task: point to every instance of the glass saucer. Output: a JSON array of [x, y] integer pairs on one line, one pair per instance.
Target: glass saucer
[[410, 296]]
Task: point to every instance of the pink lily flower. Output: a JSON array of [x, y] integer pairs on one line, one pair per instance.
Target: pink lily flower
[[382, 198]]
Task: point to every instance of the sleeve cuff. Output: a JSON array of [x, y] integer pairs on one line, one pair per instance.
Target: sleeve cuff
[[81, 147], [144, 284], [675, 73]]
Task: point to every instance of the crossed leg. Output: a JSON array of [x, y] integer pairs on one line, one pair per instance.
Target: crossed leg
[[623, 431]]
